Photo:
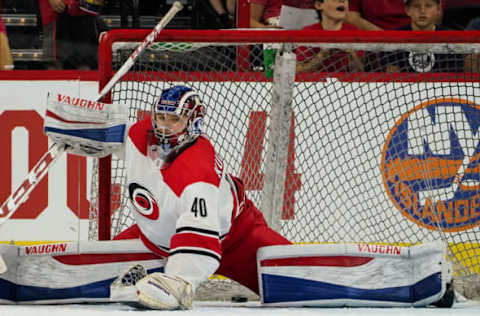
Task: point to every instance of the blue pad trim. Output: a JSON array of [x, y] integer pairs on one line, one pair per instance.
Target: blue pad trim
[[24, 293], [114, 134], [278, 289]]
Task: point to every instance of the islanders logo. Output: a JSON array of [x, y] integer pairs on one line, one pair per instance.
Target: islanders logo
[[431, 164]]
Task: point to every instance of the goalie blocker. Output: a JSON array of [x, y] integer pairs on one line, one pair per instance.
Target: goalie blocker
[[355, 275], [86, 127]]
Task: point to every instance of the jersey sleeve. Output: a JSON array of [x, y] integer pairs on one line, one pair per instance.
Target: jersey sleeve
[[120, 152], [195, 249]]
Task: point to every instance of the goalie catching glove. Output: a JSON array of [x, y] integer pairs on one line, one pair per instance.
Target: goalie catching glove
[[165, 292], [87, 128]]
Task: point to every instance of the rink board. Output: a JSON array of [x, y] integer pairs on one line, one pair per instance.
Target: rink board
[[59, 210]]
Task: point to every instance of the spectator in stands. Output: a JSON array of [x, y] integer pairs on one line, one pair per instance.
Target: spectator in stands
[[70, 33], [375, 15], [265, 13], [216, 14], [225, 10], [472, 62], [6, 61], [332, 14], [423, 14]]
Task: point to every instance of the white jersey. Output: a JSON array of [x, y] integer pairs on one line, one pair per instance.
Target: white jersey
[[183, 209]]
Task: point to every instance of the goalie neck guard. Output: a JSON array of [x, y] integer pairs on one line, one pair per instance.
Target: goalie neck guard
[[177, 120]]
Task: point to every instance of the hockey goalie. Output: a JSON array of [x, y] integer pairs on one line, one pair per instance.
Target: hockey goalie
[[193, 219]]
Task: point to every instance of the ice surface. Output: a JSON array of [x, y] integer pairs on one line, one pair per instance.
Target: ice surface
[[231, 309]]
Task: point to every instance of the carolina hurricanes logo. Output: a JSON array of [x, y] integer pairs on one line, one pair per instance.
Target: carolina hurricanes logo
[[143, 201]]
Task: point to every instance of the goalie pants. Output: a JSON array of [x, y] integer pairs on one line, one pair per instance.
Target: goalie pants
[[248, 233]]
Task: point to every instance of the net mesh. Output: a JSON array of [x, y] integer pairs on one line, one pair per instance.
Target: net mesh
[[383, 144]]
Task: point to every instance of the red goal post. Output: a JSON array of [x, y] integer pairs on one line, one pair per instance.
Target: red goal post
[[336, 154]]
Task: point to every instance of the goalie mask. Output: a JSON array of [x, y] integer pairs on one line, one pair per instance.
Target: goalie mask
[[177, 119]]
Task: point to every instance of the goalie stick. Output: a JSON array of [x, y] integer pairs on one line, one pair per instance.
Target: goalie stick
[[55, 151], [16, 199], [448, 193]]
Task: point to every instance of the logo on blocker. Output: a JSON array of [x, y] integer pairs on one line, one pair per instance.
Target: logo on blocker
[[431, 164]]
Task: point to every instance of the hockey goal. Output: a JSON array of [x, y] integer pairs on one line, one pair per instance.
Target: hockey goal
[[377, 141]]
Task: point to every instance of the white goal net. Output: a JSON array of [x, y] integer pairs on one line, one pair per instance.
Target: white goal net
[[374, 141]]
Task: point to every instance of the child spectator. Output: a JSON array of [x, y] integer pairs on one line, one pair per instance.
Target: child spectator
[[423, 14], [374, 15], [332, 14], [6, 61]]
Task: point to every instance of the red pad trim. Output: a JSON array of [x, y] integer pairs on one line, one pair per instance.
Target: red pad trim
[[83, 259], [192, 240], [323, 261]]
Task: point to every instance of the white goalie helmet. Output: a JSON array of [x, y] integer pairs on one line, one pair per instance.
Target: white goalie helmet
[[177, 119]]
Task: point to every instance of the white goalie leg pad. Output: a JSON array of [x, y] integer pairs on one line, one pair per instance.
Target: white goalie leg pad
[[70, 272], [164, 292], [338, 275]]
